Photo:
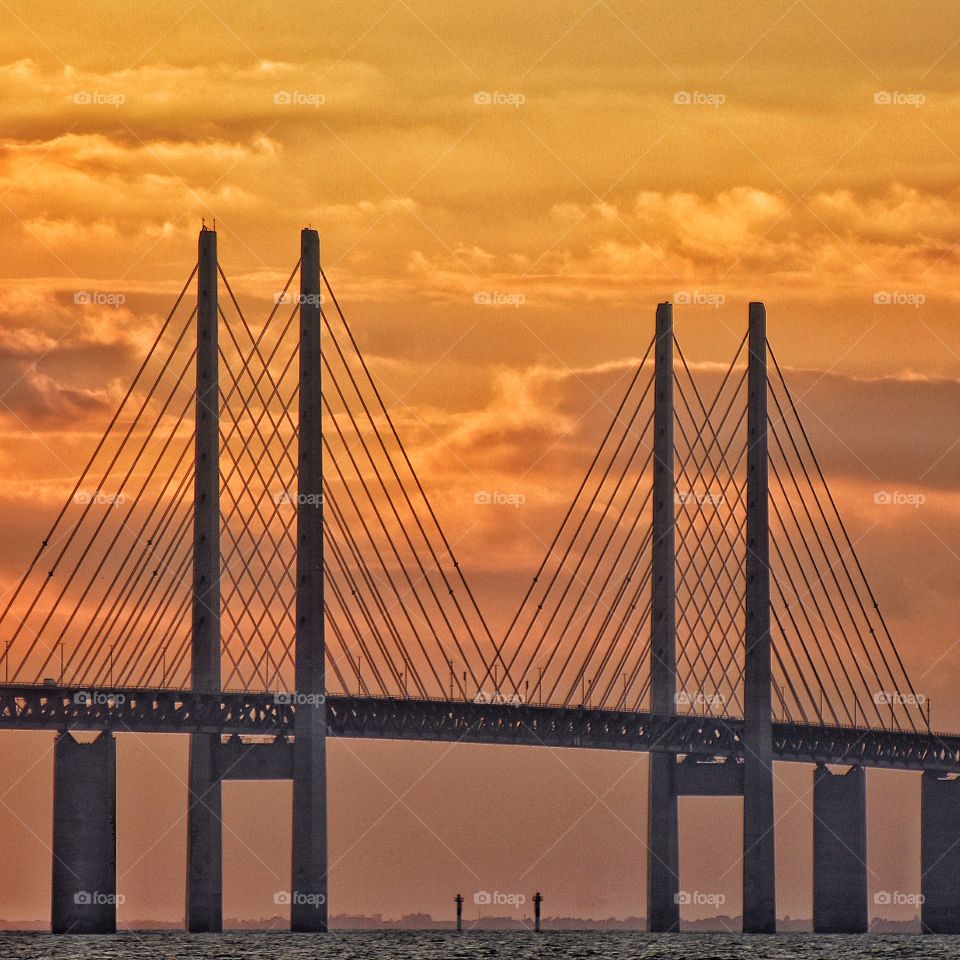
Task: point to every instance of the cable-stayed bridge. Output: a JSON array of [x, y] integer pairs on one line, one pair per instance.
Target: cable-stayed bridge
[[250, 551]]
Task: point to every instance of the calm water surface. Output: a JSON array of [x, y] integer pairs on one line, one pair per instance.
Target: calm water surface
[[449, 946]]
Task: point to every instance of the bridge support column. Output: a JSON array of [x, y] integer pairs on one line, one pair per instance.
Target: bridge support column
[[663, 849], [840, 851], [759, 868], [84, 835], [940, 853], [204, 906], [308, 903]]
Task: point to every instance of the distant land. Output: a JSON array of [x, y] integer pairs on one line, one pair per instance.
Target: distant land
[[424, 921]]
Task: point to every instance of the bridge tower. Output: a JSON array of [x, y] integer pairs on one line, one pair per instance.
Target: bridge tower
[[759, 873], [663, 851], [204, 908], [308, 909]]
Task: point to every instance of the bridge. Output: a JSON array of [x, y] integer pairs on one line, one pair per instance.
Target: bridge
[[249, 558]]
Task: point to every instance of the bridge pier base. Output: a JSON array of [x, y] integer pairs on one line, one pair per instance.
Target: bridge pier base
[[84, 835], [663, 846], [204, 836], [840, 851], [940, 853]]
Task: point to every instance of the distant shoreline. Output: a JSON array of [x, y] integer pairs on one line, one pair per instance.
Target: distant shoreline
[[352, 923]]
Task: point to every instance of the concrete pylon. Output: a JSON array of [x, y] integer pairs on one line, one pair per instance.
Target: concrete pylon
[[84, 893], [204, 906], [940, 853], [840, 851], [759, 866], [308, 902], [663, 852]]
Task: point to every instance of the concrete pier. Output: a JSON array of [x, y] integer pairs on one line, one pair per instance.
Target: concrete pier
[[840, 851], [940, 853], [84, 835], [759, 871], [308, 909], [204, 907], [663, 851]]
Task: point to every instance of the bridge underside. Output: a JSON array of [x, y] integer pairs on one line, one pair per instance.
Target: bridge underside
[[268, 714]]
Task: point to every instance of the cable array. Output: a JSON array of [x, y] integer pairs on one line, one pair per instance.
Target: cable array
[[710, 476], [836, 661], [581, 634], [106, 599]]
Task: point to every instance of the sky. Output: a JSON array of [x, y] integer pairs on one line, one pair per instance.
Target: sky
[[576, 163]]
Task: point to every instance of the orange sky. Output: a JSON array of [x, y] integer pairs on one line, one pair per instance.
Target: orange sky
[[545, 151]]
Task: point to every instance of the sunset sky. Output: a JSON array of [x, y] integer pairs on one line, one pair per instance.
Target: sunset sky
[[587, 160]]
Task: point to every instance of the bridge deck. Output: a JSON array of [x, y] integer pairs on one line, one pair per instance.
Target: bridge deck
[[182, 711]]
